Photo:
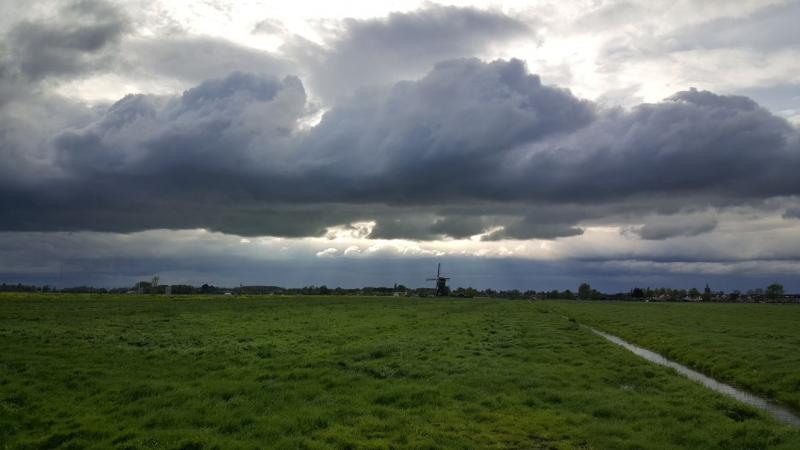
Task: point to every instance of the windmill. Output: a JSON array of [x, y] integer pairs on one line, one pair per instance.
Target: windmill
[[441, 282]]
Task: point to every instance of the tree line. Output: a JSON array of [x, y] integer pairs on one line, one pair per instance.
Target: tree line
[[773, 292]]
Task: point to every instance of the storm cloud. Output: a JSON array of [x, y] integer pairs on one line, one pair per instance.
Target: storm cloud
[[77, 39], [372, 52], [664, 228], [471, 148]]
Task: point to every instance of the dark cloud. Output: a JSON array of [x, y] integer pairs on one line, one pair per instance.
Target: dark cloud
[[792, 213], [401, 46], [76, 41], [695, 143], [27, 124], [450, 135], [667, 227], [494, 220], [420, 226], [82, 38], [470, 148], [459, 227], [526, 228], [209, 128]]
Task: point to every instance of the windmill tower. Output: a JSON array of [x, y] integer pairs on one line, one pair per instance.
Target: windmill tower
[[441, 282]]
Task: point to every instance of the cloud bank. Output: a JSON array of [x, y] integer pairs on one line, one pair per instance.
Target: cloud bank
[[471, 148]]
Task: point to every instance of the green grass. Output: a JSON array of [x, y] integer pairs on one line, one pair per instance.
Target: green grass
[[123, 372], [753, 346]]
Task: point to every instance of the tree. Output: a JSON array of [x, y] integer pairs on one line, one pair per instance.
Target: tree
[[774, 291], [471, 292], [694, 293], [584, 291]]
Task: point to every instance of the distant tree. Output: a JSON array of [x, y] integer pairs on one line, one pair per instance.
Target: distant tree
[[568, 295], [637, 293], [183, 289], [85, 290], [694, 293], [584, 291], [19, 287], [774, 291]]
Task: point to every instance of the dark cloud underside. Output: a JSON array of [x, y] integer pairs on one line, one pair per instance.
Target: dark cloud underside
[[471, 147]]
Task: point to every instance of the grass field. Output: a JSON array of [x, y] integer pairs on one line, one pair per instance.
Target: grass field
[[328, 372], [756, 347]]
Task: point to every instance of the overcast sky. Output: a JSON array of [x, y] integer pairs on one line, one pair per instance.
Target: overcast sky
[[530, 144]]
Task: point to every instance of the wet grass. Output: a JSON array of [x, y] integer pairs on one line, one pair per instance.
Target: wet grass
[[752, 346], [191, 373]]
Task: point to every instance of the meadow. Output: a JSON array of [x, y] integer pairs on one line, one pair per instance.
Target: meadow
[[752, 346], [81, 371]]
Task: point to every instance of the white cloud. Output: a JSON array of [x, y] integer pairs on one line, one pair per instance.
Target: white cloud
[[327, 253], [352, 250]]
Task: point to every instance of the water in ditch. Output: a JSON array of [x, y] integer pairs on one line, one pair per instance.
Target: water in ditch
[[780, 413]]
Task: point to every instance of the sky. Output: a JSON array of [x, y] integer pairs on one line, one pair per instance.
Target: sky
[[522, 144]]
